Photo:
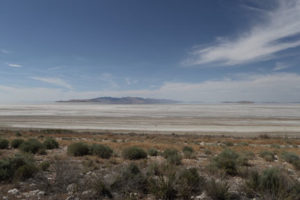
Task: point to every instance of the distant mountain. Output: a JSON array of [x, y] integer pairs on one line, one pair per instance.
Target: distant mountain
[[122, 100], [239, 102]]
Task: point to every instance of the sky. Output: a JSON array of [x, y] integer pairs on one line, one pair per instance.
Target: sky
[[187, 50]]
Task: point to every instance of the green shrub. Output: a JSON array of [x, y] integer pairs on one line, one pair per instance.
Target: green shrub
[[51, 143], [189, 183], [207, 152], [17, 167], [243, 144], [267, 155], [18, 134], [24, 172], [130, 180], [4, 144], [188, 152], [163, 187], [172, 156], [44, 165], [169, 152], [152, 152], [78, 149], [276, 146], [102, 151], [228, 143], [134, 153], [227, 161], [217, 190], [16, 143], [174, 159], [32, 146], [273, 184], [292, 158], [101, 189]]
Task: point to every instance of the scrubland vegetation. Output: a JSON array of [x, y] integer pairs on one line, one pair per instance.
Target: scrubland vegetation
[[52, 164]]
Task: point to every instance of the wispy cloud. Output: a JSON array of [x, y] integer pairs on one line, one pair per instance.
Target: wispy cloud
[[280, 66], [276, 33], [54, 81], [14, 65], [4, 51]]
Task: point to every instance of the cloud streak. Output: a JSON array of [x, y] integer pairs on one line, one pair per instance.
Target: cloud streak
[[54, 81], [14, 65], [279, 87], [260, 43]]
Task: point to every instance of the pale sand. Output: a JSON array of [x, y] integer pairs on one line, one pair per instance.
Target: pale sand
[[233, 119]]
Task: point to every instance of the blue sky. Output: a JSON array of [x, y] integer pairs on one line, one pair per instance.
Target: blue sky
[[210, 51]]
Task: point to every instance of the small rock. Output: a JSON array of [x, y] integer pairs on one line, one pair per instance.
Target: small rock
[[41, 193], [5, 198], [202, 196], [71, 189], [14, 191]]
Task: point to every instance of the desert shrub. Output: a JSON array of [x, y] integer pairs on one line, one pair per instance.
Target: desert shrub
[[264, 136], [174, 159], [217, 190], [228, 143], [102, 151], [248, 154], [18, 134], [275, 146], [134, 153], [101, 189], [227, 161], [130, 180], [16, 143], [66, 172], [4, 144], [188, 151], [32, 146], [207, 152], [51, 143], [152, 152], [189, 183], [244, 158], [26, 171], [243, 144], [291, 158], [267, 155], [17, 167], [169, 152], [78, 149], [44, 165], [172, 156], [163, 187], [273, 184]]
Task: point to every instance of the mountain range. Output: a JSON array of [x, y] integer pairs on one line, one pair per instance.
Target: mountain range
[[122, 100]]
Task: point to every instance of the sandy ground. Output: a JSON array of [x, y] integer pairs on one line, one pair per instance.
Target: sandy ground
[[233, 119]]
